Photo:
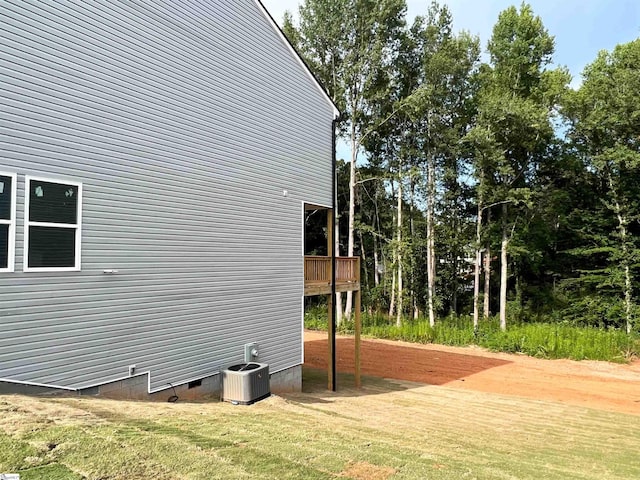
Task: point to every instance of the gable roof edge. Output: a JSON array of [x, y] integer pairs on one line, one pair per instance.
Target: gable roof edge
[[336, 112]]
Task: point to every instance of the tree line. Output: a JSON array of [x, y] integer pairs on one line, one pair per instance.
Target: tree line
[[480, 187]]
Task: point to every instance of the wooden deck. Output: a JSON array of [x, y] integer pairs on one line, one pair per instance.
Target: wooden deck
[[317, 281], [317, 275]]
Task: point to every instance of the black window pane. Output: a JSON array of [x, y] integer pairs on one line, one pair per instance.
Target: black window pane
[[53, 202], [4, 246], [52, 247], [5, 197]]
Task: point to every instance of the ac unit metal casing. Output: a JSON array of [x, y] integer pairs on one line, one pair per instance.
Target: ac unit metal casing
[[245, 383]]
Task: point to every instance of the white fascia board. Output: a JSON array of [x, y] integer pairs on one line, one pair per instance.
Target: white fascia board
[[294, 52]]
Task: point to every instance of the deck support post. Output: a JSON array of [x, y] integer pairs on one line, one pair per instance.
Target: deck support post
[[332, 334], [331, 314], [358, 328]]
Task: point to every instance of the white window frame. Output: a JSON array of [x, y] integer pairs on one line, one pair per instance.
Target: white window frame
[[28, 223], [11, 250]]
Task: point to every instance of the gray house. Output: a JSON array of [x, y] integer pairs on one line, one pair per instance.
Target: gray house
[[156, 159]]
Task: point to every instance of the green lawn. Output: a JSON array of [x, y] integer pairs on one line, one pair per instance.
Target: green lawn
[[397, 430]]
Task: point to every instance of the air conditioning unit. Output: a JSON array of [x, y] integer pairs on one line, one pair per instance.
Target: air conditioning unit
[[245, 383]]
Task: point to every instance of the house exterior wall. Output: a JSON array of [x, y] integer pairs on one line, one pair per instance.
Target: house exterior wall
[[184, 122]]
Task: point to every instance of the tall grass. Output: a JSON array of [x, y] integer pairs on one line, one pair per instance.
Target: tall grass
[[544, 340]]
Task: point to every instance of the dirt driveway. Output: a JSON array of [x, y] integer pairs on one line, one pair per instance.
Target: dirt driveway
[[598, 385]]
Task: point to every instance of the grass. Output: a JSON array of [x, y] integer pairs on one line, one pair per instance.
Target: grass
[[544, 340], [389, 430]]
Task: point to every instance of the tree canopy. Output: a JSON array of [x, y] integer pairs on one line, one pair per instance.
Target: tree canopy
[[477, 183]]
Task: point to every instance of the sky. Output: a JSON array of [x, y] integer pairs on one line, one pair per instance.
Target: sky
[[581, 27]]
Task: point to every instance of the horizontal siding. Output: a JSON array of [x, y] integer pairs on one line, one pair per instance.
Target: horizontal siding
[[184, 121]]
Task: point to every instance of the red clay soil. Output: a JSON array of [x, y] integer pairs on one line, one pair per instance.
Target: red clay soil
[[599, 385]]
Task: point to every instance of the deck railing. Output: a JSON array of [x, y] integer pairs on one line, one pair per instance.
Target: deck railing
[[317, 270]]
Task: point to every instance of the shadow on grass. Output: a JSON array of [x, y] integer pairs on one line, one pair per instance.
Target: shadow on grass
[[315, 386], [315, 380]]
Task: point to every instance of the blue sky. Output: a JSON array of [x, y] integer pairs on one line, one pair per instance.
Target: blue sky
[[581, 27]]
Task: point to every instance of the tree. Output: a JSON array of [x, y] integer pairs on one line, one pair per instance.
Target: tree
[[605, 114], [454, 200], [516, 101], [440, 113], [348, 44], [485, 153]]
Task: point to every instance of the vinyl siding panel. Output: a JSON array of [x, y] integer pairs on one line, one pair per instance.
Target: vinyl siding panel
[[184, 121]]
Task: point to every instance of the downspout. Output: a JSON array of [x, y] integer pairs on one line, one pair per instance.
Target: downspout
[[334, 125]]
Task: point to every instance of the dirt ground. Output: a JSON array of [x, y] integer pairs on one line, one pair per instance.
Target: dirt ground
[[599, 385]]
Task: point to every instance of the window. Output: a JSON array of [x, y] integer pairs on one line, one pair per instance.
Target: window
[[7, 221], [52, 226]]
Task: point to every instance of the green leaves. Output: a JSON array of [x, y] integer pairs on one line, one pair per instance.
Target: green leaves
[[520, 48], [605, 132], [348, 44], [460, 140]]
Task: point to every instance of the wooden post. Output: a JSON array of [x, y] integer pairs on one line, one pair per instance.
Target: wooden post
[[358, 326], [330, 238], [330, 300], [330, 342]]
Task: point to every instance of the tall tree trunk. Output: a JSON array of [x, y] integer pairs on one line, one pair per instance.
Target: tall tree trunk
[[503, 269], [622, 228], [364, 261], [627, 295], [352, 209], [374, 302], [457, 258], [399, 308], [338, 305], [376, 262], [431, 260], [392, 302], [378, 234], [487, 274], [414, 294], [454, 298], [476, 272]]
